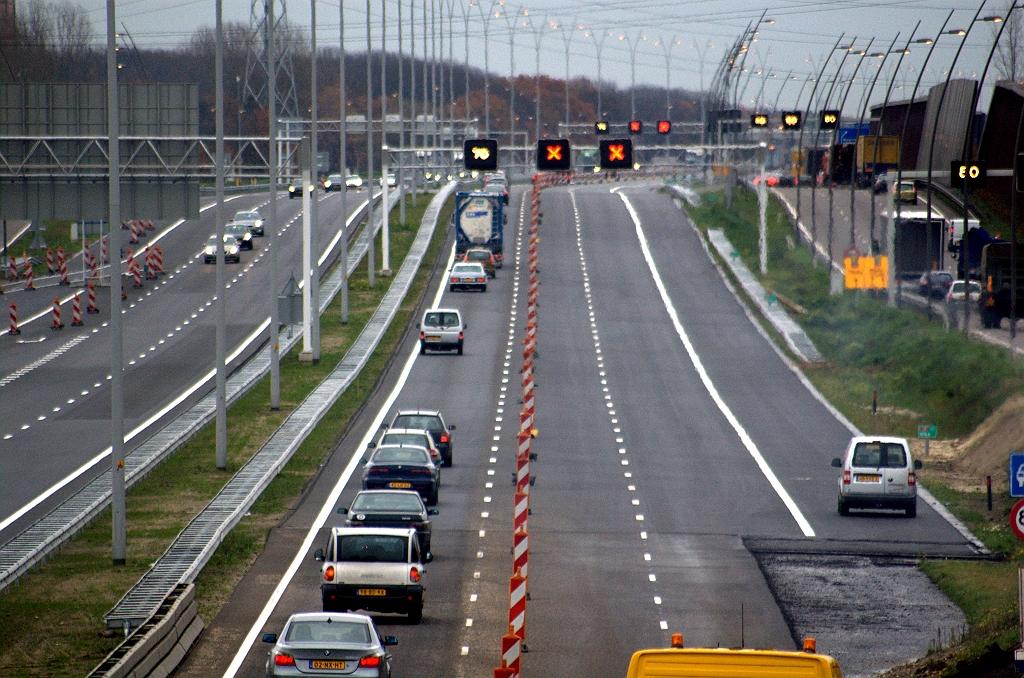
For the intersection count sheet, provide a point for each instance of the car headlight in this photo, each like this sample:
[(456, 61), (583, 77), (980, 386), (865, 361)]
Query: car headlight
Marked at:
[(327, 184), (211, 250), (291, 189), (247, 236), (259, 223)]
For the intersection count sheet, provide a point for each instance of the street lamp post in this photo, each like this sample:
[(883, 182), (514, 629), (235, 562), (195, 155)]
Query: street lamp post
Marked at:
[(343, 161), (666, 48), (633, 44), (399, 173), (370, 258), (598, 48), (567, 36), (270, 227), (538, 36), (486, 17), (220, 332), (511, 19)]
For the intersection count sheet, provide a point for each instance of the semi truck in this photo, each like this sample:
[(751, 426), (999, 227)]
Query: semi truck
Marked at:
[(997, 299), (872, 161), (918, 242), (479, 222)]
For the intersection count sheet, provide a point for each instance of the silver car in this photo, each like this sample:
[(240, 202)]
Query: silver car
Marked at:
[(878, 472), (329, 644), (442, 329), (468, 276), (251, 220)]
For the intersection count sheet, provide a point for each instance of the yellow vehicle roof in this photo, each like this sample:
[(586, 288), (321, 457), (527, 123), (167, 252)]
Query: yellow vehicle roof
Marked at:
[(725, 663)]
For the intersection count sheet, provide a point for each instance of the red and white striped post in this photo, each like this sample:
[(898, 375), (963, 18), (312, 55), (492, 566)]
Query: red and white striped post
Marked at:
[(129, 260), (517, 604), (62, 264), (158, 258), (14, 319), (29, 273), (50, 267), (57, 324), (12, 268), (150, 267), (521, 552), (136, 272), (150, 226), (76, 311), (521, 512), (92, 308), (103, 250), (511, 651), (134, 232)]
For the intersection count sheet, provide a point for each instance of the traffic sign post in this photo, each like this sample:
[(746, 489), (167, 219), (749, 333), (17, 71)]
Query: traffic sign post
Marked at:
[(927, 431), (1016, 483)]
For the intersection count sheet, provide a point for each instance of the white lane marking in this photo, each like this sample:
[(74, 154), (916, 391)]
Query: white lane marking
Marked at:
[(131, 435), (328, 508), (745, 438), (45, 359)]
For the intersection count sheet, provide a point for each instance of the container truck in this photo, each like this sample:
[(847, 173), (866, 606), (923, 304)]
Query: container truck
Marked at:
[(479, 222)]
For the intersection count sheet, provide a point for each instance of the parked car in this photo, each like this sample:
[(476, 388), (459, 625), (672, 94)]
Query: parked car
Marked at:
[(333, 182), (377, 569), (468, 277), (403, 467), (441, 329), (240, 233), (905, 192), (935, 284), (329, 645), (878, 472), (956, 291), (231, 253), (390, 508), (484, 257), (429, 420), (251, 220), (353, 181), (411, 436)]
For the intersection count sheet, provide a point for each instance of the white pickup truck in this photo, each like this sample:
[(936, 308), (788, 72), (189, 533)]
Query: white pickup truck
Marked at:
[(373, 569)]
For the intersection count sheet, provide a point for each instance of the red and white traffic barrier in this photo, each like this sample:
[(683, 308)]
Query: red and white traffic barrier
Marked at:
[(14, 320), (76, 311), (517, 604), (521, 552), (150, 264), (62, 263), (29, 274), (103, 250), (521, 511), (50, 267), (57, 324), (158, 259), (134, 232), (136, 271), (91, 294), (12, 268), (511, 652)]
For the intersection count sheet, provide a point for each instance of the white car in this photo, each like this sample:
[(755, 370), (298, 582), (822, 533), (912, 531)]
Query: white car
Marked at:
[(878, 472), (252, 220), (353, 181), (377, 569), (391, 179), (231, 252), (468, 276), (441, 329), (956, 291)]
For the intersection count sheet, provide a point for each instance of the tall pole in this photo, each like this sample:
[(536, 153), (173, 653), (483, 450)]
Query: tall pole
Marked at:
[(667, 49), (218, 217), (567, 35), (117, 498), (426, 65), (465, 21), (314, 215), (487, 68), (385, 246), (598, 48), (433, 73), (511, 25), (413, 172), (538, 35), (370, 258), (271, 225), (438, 81), (343, 161), (451, 71), (400, 174)]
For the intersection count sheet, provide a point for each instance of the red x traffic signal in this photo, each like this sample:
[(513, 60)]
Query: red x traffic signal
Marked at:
[(553, 154), (616, 154), (664, 127), (636, 127)]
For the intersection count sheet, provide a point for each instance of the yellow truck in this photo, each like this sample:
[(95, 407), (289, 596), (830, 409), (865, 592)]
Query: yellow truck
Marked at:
[(680, 662)]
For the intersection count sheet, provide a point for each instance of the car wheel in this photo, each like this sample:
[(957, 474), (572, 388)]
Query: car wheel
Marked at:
[(446, 461), (416, 614), (484, 288), (844, 508), (432, 499), (459, 349), (451, 288), (423, 348), (912, 510)]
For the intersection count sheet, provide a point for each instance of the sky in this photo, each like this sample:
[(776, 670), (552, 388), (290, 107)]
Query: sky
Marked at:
[(641, 41)]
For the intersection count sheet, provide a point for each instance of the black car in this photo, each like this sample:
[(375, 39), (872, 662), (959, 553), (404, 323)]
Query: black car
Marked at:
[(390, 508), (403, 467), (935, 284), (429, 420)]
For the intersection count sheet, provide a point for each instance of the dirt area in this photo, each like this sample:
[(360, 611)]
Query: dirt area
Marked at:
[(963, 464)]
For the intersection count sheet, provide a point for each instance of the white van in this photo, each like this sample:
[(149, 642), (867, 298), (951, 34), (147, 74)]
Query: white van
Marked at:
[(878, 472), (441, 329)]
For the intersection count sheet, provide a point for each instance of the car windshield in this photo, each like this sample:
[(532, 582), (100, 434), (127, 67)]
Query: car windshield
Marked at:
[(328, 632), (228, 238), (942, 277), (372, 548), (235, 228), (439, 319), (467, 268), (388, 501), (334, 177), (247, 216), (880, 455), (427, 422), (405, 439), (400, 455), (478, 255)]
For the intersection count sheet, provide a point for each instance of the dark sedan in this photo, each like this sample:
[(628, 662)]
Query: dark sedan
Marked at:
[(391, 508), (935, 284), (403, 467), (428, 420)]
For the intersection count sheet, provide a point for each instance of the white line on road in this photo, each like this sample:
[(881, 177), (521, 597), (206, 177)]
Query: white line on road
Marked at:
[(710, 386), (332, 499)]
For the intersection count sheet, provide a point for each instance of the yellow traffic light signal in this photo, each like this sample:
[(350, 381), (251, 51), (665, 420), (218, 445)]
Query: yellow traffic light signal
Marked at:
[(759, 120)]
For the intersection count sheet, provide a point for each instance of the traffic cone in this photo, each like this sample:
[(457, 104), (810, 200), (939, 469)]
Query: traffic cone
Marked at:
[(12, 268), (92, 309), (62, 263), (50, 268), (76, 311), (57, 324), (14, 319), (29, 276)]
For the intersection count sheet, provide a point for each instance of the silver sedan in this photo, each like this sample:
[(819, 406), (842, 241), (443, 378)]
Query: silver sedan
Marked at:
[(329, 644)]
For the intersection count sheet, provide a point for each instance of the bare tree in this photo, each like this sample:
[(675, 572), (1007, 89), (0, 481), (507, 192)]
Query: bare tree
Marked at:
[(1010, 52), (72, 29)]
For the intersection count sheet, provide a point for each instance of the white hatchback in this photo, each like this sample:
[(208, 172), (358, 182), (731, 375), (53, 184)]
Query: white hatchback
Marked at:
[(878, 472), (441, 329)]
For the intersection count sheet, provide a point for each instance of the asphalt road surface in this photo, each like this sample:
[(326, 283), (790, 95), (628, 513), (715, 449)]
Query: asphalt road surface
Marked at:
[(54, 394), (660, 459)]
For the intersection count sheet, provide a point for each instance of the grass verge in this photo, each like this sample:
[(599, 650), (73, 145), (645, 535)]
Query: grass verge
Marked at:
[(922, 375), (52, 622)]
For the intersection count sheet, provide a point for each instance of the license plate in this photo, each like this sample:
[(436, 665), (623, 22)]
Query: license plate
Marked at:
[(326, 664), (400, 486), (433, 337), (372, 592), (868, 478)]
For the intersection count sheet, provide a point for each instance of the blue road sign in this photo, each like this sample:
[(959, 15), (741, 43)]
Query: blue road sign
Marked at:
[(1017, 474), (848, 135)]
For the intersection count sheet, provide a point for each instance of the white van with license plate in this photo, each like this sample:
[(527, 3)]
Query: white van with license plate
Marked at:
[(441, 330), (878, 473)]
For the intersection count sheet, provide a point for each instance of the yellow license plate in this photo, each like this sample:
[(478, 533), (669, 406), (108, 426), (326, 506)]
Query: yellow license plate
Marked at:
[(433, 338), (372, 592), (868, 478), (400, 486), (325, 664)]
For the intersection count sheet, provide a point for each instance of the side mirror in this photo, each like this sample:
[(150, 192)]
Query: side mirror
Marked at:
[(343, 511), (465, 326), (269, 637), (918, 465), (318, 555), (371, 445), (837, 462), (365, 461), (428, 557), (434, 512), (418, 326), (383, 426), (452, 427), (390, 640)]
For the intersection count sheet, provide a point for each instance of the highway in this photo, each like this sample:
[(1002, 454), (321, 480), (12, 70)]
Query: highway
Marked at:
[(671, 435), (53, 384)]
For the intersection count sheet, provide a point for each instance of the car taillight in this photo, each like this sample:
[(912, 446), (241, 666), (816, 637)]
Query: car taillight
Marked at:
[(414, 573), (460, 339), (369, 662), (454, 279), (284, 660), (420, 471), (911, 478), (480, 279), (329, 573), (846, 477), (422, 335), (444, 436), (378, 469)]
